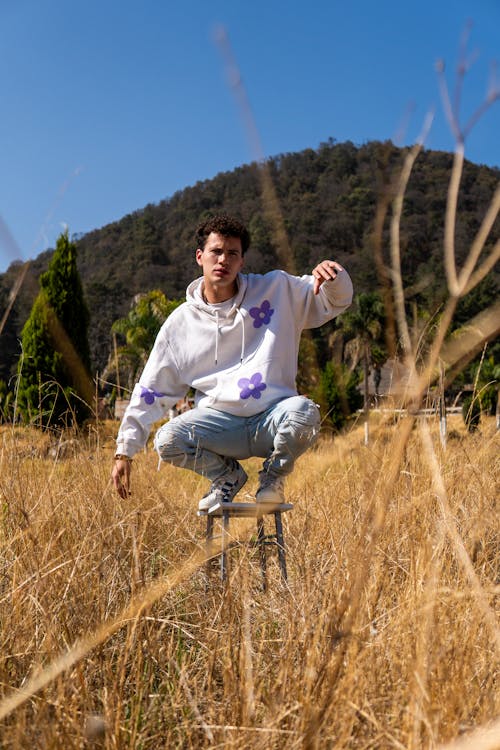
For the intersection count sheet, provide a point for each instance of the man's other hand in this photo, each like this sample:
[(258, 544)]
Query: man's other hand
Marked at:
[(325, 271), (121, 476)]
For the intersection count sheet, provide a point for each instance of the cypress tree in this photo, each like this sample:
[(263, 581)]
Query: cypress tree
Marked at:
[(55, 388)]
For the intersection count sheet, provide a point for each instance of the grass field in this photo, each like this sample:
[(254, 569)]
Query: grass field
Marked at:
[(386, 636)]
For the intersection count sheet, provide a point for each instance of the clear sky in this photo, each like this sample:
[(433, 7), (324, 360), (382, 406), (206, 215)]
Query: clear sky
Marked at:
[(107, 105)]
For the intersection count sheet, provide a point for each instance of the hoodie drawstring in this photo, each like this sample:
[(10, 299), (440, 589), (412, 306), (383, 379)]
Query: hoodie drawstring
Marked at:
[(216, 335), (242, 319)]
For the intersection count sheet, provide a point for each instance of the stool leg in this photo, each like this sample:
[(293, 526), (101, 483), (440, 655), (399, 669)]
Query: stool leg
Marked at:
[(208, 543), (224, 556), (281, 545), (261, 540)]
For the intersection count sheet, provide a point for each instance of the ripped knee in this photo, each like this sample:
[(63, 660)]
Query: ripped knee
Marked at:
[(307, 415), (303, 425), (170, 444), (303, 435)]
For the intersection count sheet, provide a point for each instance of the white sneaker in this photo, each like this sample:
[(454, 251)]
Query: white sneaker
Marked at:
[(271, 489), (223, 489)]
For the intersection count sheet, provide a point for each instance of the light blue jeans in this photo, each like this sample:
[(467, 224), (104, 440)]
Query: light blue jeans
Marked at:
[(206, 440)]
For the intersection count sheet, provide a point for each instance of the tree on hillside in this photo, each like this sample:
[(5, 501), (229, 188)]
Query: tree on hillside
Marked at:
[(338, 394), (485, 397), (54, 383), (139, 329), (364, 325), (6, 402)]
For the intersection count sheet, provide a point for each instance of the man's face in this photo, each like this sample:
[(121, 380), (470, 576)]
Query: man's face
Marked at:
[(221, 260)]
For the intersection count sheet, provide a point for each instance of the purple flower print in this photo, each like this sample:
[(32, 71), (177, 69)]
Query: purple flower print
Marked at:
[(149, 395), (262, 314), (252, 386)]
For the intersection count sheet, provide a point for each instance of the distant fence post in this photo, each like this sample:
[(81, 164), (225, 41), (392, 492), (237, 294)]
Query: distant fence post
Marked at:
[(120, 406), (442, 410)]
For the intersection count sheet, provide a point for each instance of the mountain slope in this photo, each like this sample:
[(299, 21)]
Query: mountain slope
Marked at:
[(328, 199)]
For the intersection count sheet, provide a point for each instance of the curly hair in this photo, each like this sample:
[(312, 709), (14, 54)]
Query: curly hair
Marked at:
[(225, 225)]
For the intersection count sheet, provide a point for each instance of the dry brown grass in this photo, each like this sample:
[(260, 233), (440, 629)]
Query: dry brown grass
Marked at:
[(384, 638)]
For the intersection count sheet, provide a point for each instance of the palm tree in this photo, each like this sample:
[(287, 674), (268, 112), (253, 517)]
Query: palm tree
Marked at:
[(364, 325), (139, 329)]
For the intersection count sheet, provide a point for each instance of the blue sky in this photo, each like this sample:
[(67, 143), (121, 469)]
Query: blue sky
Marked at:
[(107, 105)]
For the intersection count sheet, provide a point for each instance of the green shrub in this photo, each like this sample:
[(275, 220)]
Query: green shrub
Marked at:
[(338, 394), (471, 412), (54, 383)]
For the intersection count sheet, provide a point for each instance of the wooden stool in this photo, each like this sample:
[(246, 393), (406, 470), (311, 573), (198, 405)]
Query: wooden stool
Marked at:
[(225, 511)]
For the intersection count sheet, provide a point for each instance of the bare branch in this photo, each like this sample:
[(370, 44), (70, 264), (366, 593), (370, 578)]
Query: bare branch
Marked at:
[(469, 340), (450, 219), (479, 241), (462, 67), (492, 97), (456, 285), (397, 279), (445, 97), (484, 268)]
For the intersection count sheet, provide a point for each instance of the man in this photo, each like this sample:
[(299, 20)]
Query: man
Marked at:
[(235, 341)]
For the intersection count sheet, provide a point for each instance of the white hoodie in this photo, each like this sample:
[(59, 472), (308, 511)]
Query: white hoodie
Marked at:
[(240, 358)]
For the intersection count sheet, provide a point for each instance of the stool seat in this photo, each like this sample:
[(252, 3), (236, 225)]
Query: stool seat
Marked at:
[(245, 510), (225, 511)]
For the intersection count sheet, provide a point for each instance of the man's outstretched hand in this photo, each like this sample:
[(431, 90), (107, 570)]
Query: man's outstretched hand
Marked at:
[(325, 271), (121, 476)]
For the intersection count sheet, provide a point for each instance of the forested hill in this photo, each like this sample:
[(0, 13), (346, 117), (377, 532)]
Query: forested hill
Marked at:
[(327, 198)]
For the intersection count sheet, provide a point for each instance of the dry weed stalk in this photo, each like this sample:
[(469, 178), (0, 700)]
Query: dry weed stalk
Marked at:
[(270, 202), (11, 243)]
